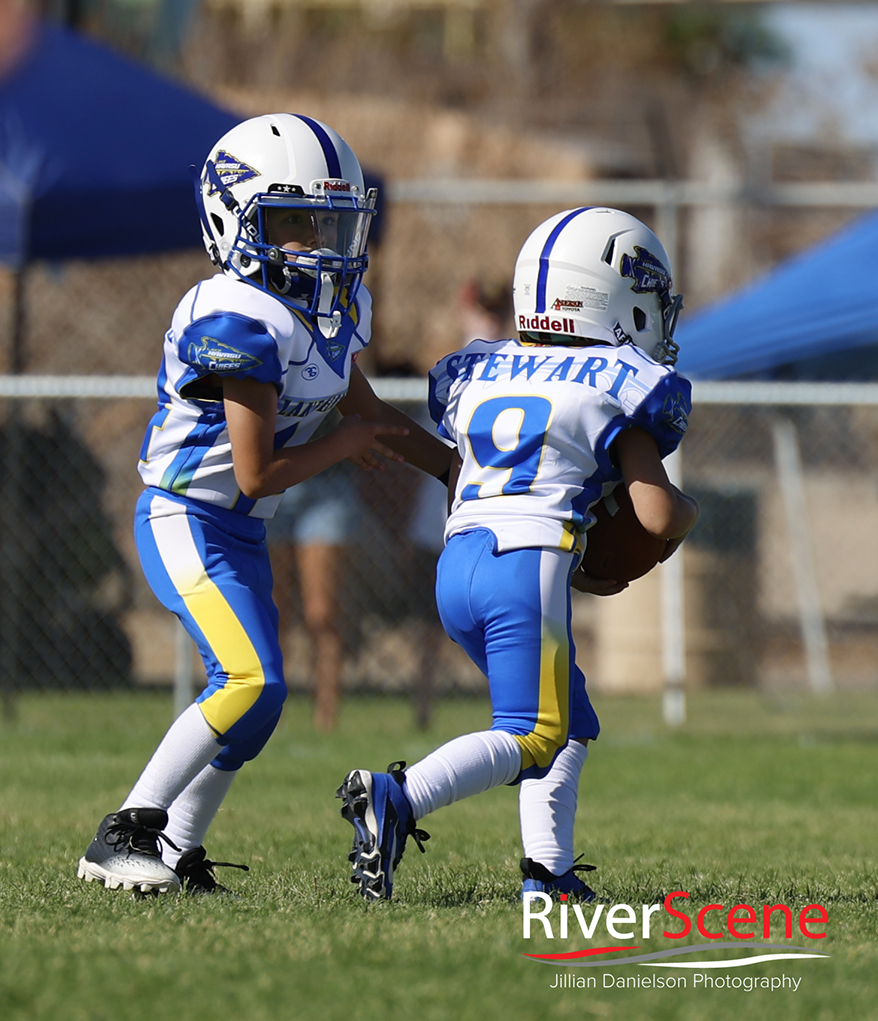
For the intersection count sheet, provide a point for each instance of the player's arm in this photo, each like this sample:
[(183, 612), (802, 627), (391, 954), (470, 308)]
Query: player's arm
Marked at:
[(260, 470), (662, 509), (417, 446)]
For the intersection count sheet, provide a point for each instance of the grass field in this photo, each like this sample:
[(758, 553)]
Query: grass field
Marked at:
[(755, 800)]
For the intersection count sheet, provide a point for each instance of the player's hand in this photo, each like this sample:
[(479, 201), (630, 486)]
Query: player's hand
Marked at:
[(674, 544), (583, 582), (362, 446), (671, 548)]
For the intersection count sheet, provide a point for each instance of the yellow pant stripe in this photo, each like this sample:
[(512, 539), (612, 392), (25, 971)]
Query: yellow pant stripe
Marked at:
[(553, 716), (211, 612)]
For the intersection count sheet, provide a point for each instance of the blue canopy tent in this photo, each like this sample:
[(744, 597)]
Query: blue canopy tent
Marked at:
[(94, 154), (94, 162), (94, 158), (814, 317)]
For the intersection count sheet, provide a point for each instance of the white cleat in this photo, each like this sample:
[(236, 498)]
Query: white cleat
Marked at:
[(125, 853)]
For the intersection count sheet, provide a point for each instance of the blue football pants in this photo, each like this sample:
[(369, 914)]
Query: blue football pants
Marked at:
[(210, 567), (511, 612)]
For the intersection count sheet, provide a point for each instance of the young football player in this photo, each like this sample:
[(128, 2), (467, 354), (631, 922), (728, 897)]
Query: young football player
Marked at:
[(256, 356), (543, 425)]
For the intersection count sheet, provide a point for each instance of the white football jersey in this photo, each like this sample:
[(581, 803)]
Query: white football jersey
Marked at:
[(534, 426), (231, 328)]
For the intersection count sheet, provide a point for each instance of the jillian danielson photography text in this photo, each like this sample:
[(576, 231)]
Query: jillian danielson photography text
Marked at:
[(698, 981)]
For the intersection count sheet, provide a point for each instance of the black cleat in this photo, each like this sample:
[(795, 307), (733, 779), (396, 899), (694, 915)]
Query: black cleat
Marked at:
[(195, 872), (538, 879)]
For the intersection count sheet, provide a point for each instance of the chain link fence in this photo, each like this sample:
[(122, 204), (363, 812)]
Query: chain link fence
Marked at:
[(780, 573), (782, 567)]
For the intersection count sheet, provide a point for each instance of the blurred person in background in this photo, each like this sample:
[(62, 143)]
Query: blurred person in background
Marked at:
[(485, 309), (310, 538), (416, 506), (256, 357)]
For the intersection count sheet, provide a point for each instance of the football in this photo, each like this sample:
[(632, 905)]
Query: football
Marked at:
[(617, 545)]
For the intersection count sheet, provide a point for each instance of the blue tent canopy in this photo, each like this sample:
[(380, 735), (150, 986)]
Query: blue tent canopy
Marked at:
[(95, 153), (815, 316)]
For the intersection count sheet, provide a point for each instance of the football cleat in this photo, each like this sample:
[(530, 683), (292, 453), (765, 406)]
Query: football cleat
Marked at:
[(538, 879), (195, 871), (125, 853), (376, 806)]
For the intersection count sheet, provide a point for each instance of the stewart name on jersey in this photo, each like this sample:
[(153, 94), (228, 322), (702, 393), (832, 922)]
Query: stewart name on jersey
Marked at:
[(226, 327), (534, 426)]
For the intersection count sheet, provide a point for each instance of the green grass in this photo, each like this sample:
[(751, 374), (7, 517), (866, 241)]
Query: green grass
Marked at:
[(755, 800)]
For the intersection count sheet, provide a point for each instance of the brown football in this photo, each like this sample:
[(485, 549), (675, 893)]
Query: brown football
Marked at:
[(617, 545)]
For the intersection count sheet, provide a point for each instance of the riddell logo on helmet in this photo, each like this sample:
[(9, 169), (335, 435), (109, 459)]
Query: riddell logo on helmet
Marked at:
[(546, 324), (336, 186)]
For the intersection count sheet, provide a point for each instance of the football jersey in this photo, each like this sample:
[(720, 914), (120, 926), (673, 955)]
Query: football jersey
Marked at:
[(534, 426), (231, 328)]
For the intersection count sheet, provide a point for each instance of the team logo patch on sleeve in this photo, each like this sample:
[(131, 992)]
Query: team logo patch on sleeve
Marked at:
[(648, 272), (231, 171), (215, 356), (675, 411)]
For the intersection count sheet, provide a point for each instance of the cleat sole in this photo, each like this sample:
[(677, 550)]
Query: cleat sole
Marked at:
[(91, 872), (365, 855)]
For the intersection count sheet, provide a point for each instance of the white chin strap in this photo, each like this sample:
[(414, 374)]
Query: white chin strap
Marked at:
[(329, 323)]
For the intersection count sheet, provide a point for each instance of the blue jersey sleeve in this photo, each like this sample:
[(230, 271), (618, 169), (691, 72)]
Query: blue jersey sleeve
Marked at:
[(439, 383), (230, 344), (663, 413)]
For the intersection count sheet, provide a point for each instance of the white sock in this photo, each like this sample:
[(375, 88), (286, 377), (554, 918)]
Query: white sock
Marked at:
[(547, 809), (465, 766), (185, 750), (193, 811)]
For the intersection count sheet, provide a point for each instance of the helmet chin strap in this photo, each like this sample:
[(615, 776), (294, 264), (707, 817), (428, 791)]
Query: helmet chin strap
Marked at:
[(330, 325), (329, 322)]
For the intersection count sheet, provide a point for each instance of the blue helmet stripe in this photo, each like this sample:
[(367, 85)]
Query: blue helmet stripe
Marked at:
[(543, 274), (333, 163)]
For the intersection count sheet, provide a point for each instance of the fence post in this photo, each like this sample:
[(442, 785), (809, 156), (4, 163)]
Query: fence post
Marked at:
[(184, 675), (673, 621), (811, 620)]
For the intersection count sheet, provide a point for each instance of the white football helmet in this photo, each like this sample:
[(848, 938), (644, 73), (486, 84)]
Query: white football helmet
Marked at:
[(283, 207), (599, 274)]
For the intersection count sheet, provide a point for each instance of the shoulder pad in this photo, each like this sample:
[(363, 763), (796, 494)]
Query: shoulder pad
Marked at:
[(230, 344), (223, 294)]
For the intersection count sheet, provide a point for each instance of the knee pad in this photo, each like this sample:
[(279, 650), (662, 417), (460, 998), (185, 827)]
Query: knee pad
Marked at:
[(239, 709), (539, 751), (236, 753)]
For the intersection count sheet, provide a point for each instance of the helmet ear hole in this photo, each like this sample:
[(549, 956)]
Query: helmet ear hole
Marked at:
[(639, 319), (217, 224)]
